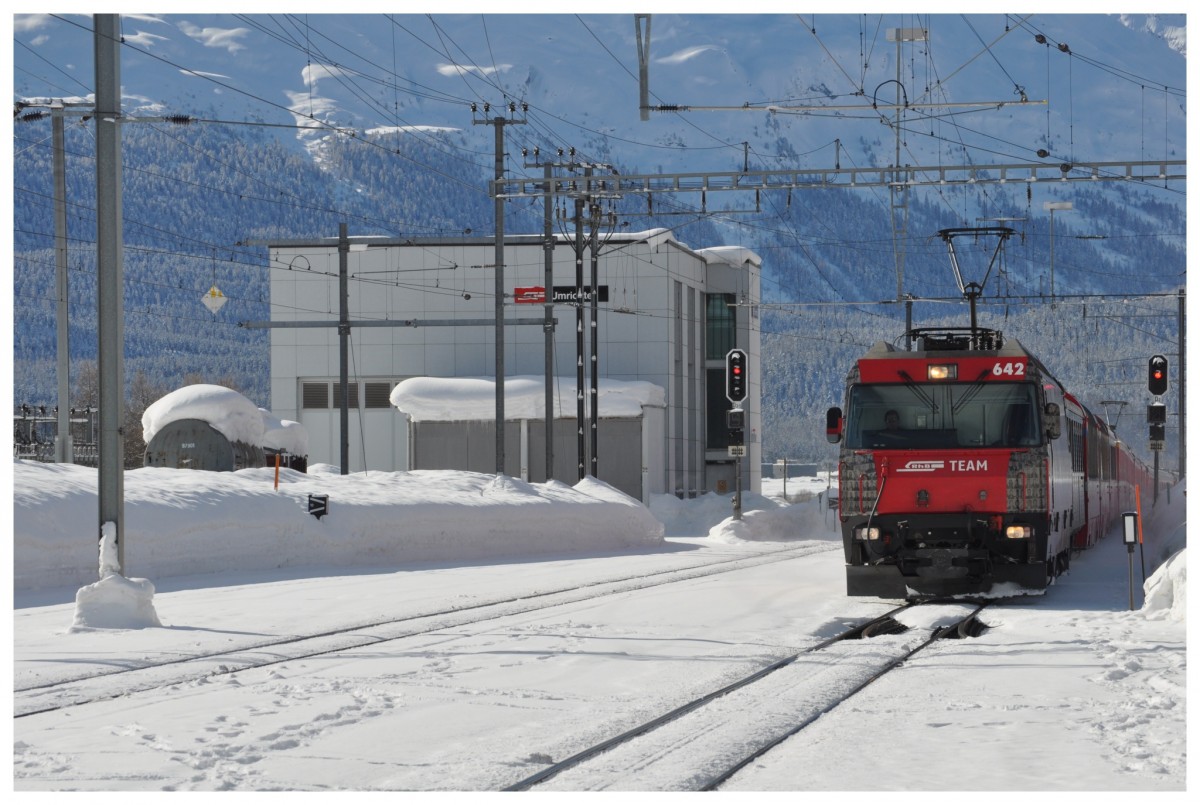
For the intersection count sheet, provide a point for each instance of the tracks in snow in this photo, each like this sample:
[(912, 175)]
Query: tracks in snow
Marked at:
[(722, 732), (83, 689)]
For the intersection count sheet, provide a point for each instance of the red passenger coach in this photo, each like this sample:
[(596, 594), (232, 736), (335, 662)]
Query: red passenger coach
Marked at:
[(967, 469)]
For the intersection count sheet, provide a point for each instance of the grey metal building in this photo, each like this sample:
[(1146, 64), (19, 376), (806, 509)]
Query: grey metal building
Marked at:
[(667, 314)]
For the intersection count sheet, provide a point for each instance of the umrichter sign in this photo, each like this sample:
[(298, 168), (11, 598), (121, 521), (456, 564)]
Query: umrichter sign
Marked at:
[(563, 294)]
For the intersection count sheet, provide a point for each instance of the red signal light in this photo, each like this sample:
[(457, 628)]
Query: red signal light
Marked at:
[(1157, 380), (735, 377)]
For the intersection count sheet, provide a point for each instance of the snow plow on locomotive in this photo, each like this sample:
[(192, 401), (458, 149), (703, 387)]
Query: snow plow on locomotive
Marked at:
[(966, 468)]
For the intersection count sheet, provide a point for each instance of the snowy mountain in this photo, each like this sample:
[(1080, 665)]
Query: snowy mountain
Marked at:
[(298, 122), (1099, 87)]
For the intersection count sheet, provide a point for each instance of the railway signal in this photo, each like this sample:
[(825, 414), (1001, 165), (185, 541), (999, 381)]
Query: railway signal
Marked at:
[(735, 421), (1156, 418), (735, 375), (318, 505), (1157, 381)]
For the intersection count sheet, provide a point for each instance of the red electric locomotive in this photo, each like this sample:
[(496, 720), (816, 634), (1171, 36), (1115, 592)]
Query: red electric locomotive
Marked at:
[(967, 469)]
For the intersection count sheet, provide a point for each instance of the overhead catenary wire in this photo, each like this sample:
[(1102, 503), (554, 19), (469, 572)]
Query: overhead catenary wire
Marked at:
[(736, 223)]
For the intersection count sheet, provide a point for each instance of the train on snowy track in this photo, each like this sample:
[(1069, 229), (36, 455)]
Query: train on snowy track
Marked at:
[(966, 468)]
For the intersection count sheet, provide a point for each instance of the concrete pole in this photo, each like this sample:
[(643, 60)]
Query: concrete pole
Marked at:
[(581, 443), (344, 343), (549, 325), (1182, 384), (499, 123), (594, 348), (110, 257), (499, 292), (64, 446)]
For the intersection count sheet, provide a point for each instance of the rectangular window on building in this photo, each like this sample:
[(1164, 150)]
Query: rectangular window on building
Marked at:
[(316, 395), (720, 318), (351, 388), (378, 395), (717, 425)]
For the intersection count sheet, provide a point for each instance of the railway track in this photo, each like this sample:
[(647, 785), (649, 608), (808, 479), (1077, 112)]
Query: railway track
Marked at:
[(713, 732), (81, 689)]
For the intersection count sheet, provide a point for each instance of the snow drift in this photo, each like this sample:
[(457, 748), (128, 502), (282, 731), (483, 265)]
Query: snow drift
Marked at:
[(182, 522)]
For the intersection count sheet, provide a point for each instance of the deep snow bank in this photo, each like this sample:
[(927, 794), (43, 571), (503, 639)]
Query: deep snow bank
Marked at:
[(1166, 590), (181, 522)]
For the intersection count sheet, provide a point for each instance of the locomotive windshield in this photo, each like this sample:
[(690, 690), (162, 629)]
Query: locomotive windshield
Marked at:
[(943, 415)]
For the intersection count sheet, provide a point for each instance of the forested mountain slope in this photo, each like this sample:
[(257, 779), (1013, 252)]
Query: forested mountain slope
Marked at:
[(378, 131)]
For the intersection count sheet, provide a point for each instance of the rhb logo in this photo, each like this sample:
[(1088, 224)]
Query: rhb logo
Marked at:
[(922, 466), (955, 465)]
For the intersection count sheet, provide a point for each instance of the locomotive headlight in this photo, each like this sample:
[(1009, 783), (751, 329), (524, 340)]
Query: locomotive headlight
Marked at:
[(943, 371), (1018, 532), (862, 532)]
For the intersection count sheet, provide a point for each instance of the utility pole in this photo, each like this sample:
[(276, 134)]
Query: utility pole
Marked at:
[(594, 347), (580, 442), (583, 198), (110, 257), (899, 187), (588, 460), (1182, 384), (548, 290), (344, 344), (64, 443), (64, 448), (1052, 206), (908, 322), (499, 123)]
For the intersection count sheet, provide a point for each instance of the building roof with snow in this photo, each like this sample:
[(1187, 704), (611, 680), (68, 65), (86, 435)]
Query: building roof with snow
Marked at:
[(455, 399)]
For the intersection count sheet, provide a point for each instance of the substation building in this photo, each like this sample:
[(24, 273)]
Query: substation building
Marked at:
[(666, 314)]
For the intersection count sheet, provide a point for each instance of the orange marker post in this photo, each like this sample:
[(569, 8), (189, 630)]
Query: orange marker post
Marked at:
[(1137, 496)]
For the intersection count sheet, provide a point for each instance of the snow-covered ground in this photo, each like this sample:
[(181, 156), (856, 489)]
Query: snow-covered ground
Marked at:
[(1068, 691)]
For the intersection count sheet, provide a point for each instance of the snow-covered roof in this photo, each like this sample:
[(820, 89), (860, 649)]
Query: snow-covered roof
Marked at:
[(231, 414), (733, 255), (654, 237), (283, 434), (457, 399)]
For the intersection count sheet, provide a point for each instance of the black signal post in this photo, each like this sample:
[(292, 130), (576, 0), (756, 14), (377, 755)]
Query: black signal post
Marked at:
[(1156, 382), (735, 391)]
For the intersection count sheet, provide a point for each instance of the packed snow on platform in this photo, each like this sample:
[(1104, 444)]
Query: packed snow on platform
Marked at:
[(1065, 693)]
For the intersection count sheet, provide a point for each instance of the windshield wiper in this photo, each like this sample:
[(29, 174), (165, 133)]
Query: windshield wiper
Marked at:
[(971, 393), (919, 392)]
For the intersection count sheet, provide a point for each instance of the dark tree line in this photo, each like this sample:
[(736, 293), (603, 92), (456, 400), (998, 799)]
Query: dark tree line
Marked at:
[(196, 199)]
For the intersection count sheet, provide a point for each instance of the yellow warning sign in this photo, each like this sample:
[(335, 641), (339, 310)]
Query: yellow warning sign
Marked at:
[(214, 299)]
